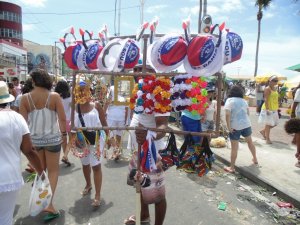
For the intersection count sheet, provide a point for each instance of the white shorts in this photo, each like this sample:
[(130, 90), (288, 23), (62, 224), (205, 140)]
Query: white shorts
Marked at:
[(90, 159), (7, 207), (115, 123), (271, 120)]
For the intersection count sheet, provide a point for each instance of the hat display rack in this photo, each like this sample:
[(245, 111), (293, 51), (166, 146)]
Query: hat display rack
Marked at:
[(101, 45)]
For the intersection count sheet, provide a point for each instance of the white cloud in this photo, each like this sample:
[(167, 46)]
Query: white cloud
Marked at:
[(28, 27), (155, 8), (216, 7), (34, 3), (271, 57), (268, 15)]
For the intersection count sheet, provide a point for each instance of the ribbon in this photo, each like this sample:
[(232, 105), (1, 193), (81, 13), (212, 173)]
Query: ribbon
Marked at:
[(148, 153)]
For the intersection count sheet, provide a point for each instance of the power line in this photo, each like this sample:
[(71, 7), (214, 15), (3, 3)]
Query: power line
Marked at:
[(75, 13)]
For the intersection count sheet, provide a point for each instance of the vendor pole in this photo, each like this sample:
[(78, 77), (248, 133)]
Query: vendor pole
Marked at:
[(218, 119), (73, 99)]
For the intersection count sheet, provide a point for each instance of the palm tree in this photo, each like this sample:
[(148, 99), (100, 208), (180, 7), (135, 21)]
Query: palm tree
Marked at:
[(262, 4)]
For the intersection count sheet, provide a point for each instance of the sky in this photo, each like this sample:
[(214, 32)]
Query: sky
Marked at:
[(46, 21)]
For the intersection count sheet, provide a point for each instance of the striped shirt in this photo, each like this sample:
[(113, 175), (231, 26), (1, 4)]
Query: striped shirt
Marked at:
[(43, 125)]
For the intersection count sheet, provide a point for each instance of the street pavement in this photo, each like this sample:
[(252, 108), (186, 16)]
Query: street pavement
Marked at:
[(191, 199), (276, 170)]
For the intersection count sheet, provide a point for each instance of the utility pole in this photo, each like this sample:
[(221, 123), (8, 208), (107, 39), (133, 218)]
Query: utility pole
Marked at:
[(119, 22), (142, 11), (204, 7), (200, 16)]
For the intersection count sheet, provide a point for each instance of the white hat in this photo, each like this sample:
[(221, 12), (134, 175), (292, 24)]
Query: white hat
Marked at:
[(167, 53), (5, 97), (119, 54)]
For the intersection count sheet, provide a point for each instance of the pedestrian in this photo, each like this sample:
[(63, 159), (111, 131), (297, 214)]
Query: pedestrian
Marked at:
[(12, 90), (116, 116), (238, 123), (259, 89), (158, 193), (17, 85), (26, 88), (191, 122), (14, 136), (44, 112), (296, 100), (63, 89), (209, 118), (292, 126), (89, 114), (269, 113)]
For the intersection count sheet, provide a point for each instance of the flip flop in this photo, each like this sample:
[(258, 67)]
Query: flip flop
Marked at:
[(131, 220), (51, 216), (263, 134), (96, 203), (66, 161), (229, 170), (86, 191)]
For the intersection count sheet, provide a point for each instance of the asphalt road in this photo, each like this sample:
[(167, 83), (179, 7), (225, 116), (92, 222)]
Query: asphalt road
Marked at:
[(191, 199)]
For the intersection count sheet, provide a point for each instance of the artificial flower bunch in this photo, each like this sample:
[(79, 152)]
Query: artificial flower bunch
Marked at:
[(82, 92), (197, 94), (142, 100), (180, 101), (161, 93), (189, 93)]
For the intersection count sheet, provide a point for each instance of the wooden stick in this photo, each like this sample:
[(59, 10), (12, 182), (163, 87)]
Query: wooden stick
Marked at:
[(167, 130), (138, 188), (127, 73)]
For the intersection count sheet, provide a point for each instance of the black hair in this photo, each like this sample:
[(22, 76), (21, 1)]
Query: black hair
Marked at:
[(3, 105), (27, 87), (63, 89), (15, 79), (10, 85), (292, 126), (236, 91), (41, 79)]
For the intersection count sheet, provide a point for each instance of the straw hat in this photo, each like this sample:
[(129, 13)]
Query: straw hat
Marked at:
[(5, 97)]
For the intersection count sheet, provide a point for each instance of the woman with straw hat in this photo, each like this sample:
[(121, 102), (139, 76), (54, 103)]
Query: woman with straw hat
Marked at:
[(15, 136)]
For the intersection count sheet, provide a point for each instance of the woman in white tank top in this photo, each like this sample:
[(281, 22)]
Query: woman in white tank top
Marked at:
[(92, 116), (44, 112)]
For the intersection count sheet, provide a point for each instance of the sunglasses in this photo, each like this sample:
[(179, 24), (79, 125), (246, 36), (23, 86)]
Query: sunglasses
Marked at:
[(274, 80)]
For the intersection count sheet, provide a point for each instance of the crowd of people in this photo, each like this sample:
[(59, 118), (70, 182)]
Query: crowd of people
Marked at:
[(37, 117)]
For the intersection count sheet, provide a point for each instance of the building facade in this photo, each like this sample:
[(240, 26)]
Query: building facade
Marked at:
[(18, 56)]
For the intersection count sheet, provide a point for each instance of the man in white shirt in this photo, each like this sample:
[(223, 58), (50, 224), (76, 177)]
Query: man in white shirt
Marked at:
[(116, 116)]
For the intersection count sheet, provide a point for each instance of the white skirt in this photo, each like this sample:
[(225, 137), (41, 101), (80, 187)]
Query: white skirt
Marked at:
[(271, 120), (7, 206)]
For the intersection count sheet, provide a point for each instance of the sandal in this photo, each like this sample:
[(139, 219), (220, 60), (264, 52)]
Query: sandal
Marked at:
[(96, 203), (66, 161), (229, 170), (50, 216), (131, 220), (86, 191), (263, 134)]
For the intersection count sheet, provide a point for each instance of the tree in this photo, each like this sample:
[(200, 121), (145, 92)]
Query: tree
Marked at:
[(262, 4)]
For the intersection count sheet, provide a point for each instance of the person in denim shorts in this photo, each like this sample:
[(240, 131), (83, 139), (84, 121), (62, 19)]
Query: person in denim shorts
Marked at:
[(238, 123)]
